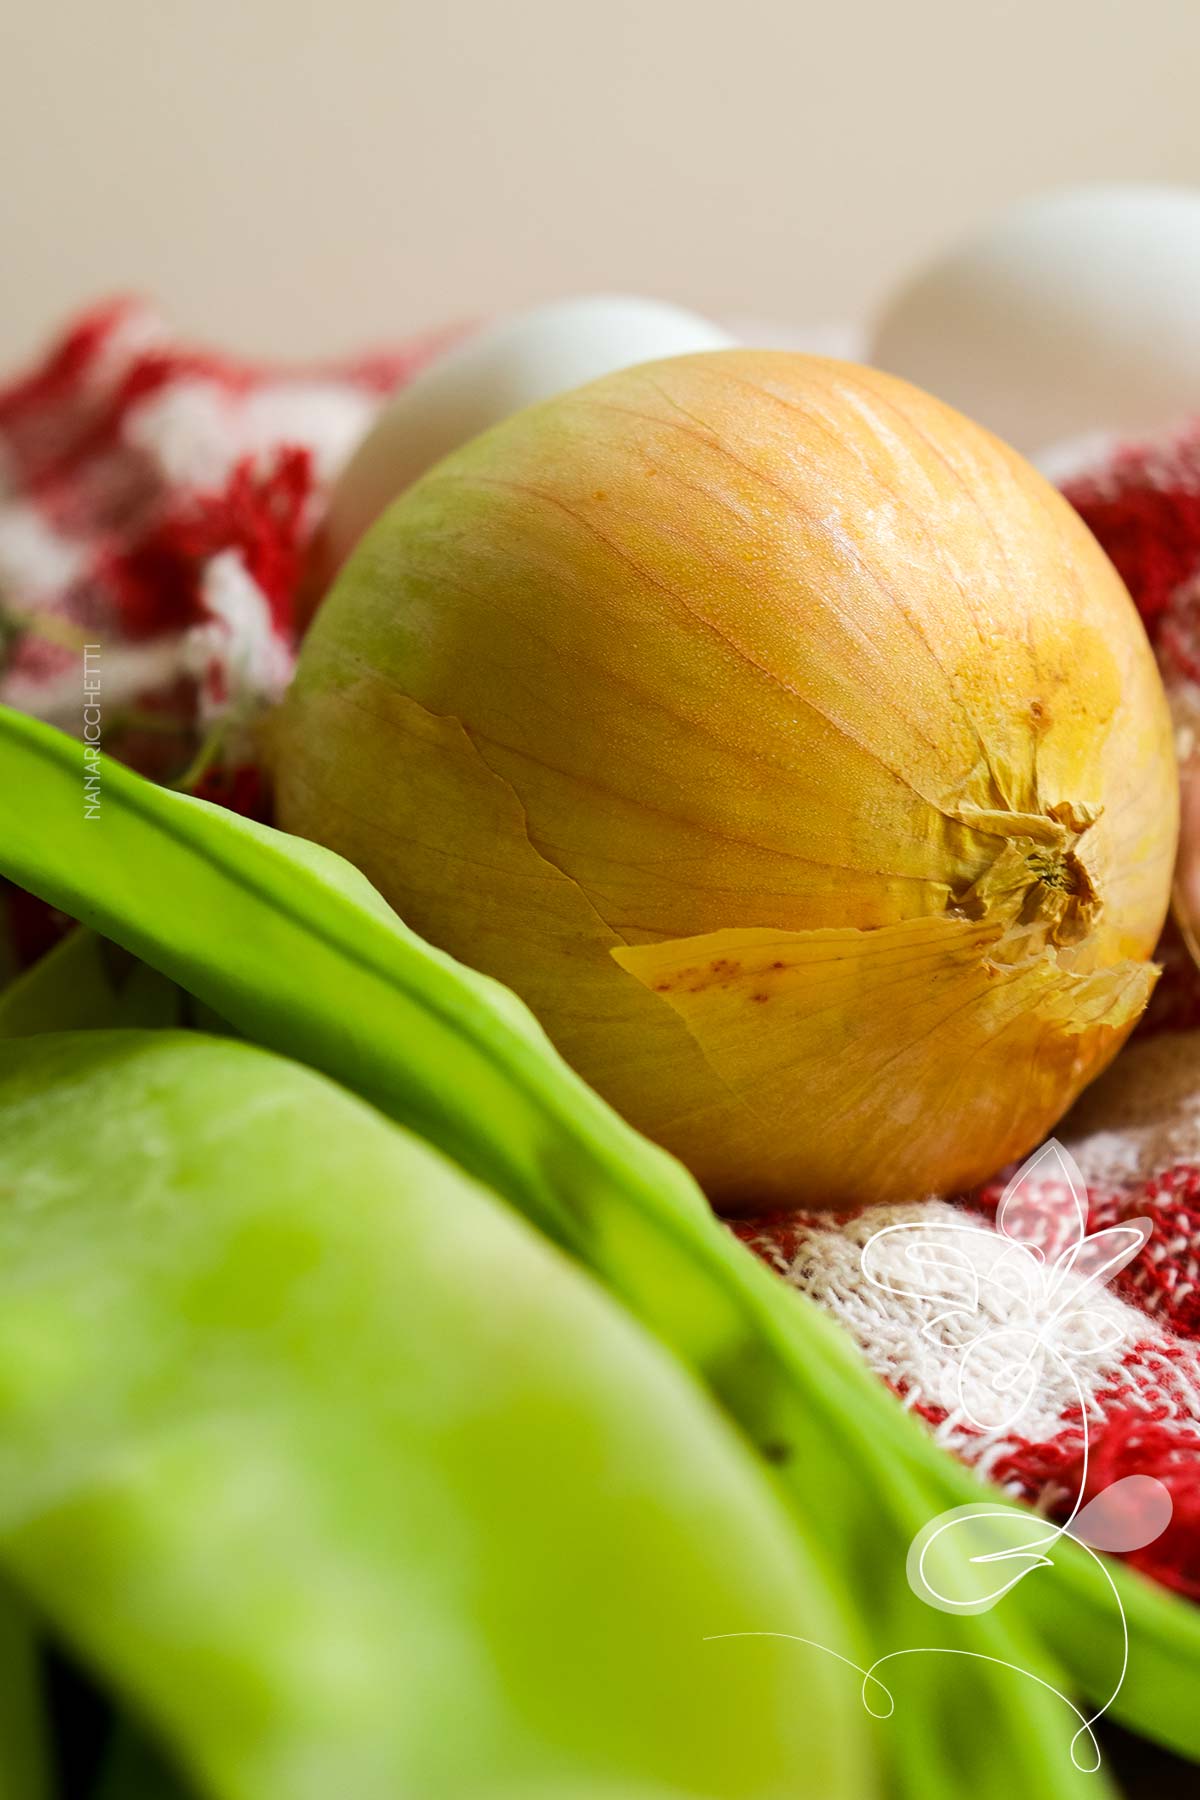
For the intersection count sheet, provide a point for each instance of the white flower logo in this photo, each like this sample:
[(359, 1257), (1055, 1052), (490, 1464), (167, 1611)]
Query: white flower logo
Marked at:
[(1017, 1310), (1019, 1303), (1018, 1306)]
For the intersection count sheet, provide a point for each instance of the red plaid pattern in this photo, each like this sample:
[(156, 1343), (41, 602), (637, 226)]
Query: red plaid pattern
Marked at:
[(157, 498)]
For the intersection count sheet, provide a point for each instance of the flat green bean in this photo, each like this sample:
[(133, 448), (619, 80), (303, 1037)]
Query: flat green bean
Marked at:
[(293, 946), (354, 1485)]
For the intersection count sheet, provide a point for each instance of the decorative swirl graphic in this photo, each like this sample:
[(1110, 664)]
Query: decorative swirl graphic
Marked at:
[(1014, 1315)]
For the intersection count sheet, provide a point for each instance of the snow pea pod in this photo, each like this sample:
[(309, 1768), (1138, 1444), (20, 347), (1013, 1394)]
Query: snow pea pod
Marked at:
[(350, 1482), (296, 949)]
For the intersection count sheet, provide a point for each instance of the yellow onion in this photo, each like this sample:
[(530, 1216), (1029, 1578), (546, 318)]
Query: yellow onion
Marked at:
[(784, 740)]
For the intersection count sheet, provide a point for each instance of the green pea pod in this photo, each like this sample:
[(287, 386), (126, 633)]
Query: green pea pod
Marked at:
[(295, 948), (353, 1484)]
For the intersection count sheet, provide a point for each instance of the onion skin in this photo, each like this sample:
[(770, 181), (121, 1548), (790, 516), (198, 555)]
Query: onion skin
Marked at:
[(785, 741), (1185, 702), (492, 373)]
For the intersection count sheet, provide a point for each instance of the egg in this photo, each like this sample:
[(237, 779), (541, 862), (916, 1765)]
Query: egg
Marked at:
[(508, 365), (1075, 313)]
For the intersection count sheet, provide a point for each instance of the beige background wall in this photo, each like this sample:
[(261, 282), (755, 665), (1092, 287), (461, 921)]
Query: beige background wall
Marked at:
[(293, 177)]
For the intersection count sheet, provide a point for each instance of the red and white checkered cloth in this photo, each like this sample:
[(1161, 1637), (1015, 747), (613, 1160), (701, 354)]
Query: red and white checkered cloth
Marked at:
[(158, 499)]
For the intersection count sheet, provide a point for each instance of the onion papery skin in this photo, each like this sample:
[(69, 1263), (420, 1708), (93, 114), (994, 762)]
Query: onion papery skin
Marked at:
[(785, 741)]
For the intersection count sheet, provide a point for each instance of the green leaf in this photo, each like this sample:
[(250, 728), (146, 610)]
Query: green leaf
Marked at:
[(351, 1483), (293, 946)]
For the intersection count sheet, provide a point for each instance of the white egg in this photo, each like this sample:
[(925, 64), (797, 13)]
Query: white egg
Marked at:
[(506, 366), (1073, 313)]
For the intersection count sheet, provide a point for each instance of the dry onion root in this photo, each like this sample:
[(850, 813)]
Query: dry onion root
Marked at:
[(784, 740)]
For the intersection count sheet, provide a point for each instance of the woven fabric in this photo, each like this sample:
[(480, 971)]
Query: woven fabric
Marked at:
[(157, 500)]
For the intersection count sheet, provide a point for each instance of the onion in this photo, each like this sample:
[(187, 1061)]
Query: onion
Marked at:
[(510, 363), (784, 740)]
